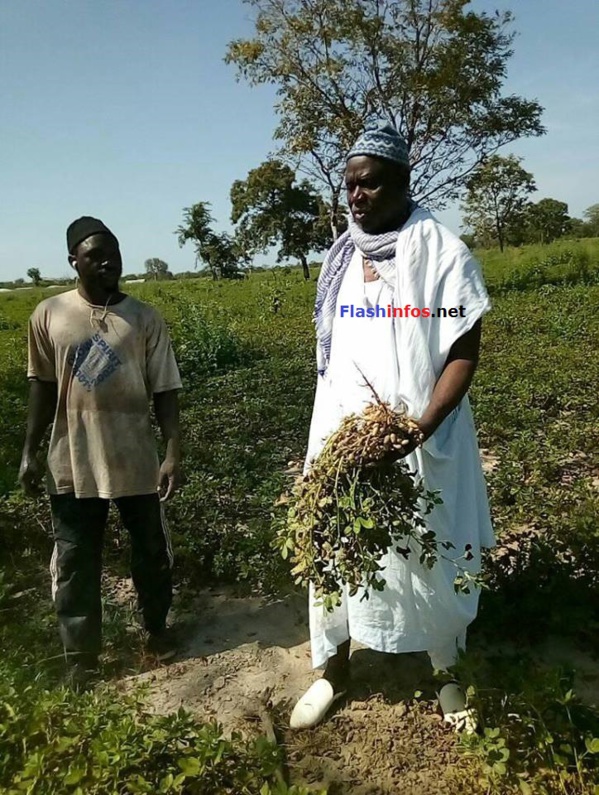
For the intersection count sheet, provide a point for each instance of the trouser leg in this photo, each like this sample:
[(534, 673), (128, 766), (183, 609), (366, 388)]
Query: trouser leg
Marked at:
[(76, 569), (337, 667), (452, 698), (151, 557), (445, 656)]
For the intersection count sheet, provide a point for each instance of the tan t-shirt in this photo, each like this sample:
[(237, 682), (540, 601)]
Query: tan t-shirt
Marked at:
[(107, 363)]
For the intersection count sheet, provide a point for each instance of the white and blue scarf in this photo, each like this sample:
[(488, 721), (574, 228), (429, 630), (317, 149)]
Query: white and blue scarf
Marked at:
[(380, 249)]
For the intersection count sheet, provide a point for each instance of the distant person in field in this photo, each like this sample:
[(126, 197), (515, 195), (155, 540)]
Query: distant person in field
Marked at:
[(97, 358), (396, 253)]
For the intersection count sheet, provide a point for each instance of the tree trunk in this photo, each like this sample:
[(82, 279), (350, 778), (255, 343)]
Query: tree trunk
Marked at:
[(499, 229), (305, 267), (333, 216)]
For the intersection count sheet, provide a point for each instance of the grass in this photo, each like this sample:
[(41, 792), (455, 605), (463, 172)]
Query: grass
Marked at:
[(563, 261)]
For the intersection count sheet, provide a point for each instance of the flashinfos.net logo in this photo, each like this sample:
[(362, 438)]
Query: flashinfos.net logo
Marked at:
[(390, 311)]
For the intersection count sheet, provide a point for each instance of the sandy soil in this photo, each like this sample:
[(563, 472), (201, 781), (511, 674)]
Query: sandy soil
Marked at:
[(386, 737), (380, 739)]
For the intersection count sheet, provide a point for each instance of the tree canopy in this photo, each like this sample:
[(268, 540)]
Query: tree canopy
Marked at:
[(35, 275), (434, 68), (591, 215), (270, 209), (221, 253), (157, 268), (546, 220), (497, 198)]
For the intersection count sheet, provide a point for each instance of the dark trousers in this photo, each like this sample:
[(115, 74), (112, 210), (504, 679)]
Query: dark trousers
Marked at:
[(76, 566)]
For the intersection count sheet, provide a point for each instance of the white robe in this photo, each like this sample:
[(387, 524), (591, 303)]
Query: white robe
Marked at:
[(418, 610)]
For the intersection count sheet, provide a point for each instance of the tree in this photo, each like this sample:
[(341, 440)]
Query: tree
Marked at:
[(269, 209), (497, 198), (431, 67), (591, 215), (221, 253), (157, 268), (546, 221), (578, 228), (35, 275)]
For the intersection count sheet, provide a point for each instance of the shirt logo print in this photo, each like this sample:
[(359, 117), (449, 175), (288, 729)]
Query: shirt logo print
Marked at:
[(93, 362)]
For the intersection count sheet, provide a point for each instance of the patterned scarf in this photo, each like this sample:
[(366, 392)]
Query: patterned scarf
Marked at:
[(378, 248)]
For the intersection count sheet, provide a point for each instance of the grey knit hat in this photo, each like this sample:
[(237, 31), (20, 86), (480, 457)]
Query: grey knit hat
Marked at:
[(382, 141)]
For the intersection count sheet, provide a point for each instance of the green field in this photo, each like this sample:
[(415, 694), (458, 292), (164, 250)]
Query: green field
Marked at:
[(249, 379), (530, 266)]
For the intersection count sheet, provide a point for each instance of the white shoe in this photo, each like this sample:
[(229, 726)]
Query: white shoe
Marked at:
[(456, 713), (313, 705)]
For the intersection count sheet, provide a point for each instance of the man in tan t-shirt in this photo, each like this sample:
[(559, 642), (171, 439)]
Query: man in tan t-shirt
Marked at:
[(97, 358)]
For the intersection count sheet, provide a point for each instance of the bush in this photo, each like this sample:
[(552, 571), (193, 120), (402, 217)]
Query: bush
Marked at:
[(203, 346)]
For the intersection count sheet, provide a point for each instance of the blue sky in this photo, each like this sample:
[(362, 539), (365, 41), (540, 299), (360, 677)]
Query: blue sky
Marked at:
[(125, 110)]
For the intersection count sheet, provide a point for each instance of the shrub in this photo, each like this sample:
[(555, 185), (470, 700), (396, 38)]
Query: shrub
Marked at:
[(203, 346)]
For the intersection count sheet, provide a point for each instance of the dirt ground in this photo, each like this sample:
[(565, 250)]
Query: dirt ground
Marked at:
[(381, 739), (386, 738)]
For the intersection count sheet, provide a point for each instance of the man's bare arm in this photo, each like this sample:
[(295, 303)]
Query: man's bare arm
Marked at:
[(166, 407), (43, 396), (454, 381)]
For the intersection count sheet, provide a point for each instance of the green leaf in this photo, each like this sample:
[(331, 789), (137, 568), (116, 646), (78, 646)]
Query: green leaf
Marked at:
[(74, 776), (592, 745), (190, 765), (166, 783)]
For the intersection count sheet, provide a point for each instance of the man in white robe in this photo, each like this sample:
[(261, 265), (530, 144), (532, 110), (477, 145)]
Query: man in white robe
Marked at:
[(396, 255)]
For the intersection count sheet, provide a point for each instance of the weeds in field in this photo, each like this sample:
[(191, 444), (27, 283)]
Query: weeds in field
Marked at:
[(202, 345), (55, 742), (537, 736)]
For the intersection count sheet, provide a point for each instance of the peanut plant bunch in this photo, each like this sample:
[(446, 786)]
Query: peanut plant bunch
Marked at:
[(355, 504)]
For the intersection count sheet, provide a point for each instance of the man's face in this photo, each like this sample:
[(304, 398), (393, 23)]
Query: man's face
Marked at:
[(98, 262), (376, 194)]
